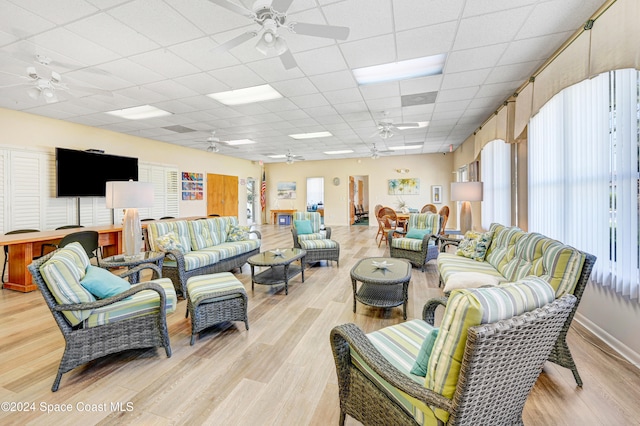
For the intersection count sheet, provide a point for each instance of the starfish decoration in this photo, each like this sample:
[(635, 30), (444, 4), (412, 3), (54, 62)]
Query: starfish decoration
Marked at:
[(382, 266), (277, 253)]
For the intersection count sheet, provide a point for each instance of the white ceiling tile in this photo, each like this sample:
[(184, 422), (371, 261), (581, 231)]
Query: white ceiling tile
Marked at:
[(20, 22), (450, 95), (373, 17), (295, 87), (156, 20), (321, 61), (370, 51), (334, 81), (59, 11), (474, 59), (533, 49), (558, 16), (494, 28), (202, 83), (421, 85), (450, 106), (483, 7), (309, 101), (135, 73), (416, 13), (271, 69), (382, 90), (343, 96), (209, 17), (465, 79), (237, 77), (426, 41), (516, 72)]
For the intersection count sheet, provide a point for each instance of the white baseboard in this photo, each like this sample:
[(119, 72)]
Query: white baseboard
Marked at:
[(623, 350)]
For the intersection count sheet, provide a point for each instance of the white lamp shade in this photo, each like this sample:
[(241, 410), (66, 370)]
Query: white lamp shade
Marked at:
[(129, 195), (466, 191)]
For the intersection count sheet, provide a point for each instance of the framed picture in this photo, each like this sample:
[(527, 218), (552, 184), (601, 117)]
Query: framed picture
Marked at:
[(436, 194), (410, 186)]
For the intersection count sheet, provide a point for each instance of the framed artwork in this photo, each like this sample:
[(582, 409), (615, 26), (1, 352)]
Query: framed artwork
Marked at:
[(286, 190), (409, 186), (436, 194), (192, 186)]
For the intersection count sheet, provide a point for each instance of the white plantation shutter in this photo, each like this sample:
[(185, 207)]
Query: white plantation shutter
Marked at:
[(165, 187)]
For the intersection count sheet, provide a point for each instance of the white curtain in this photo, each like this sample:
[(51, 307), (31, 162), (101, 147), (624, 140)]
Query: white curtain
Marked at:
[(584, 177), (495, 168)]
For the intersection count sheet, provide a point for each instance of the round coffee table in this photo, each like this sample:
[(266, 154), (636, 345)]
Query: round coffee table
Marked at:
[(280, 268), (154, 258), (385, 282)]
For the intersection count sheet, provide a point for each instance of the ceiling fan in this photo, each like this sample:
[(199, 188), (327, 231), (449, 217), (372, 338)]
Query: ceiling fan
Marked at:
[(375, 152), (291, 158), (214, 143), (48, 88), (387, 128), (271, 17)]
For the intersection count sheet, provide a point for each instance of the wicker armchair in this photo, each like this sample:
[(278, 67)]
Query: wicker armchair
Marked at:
[(516, 347), (417, 251), (318, 244), (84, 342)]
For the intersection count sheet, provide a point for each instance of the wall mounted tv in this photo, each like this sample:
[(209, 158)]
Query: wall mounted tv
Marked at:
[(85, 173)]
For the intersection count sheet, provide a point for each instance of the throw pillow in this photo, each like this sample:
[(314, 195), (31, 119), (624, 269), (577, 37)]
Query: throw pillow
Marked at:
[(420, 365), (102, 283), (475, 245), (470, 280), (418, 234), (169, 241), (303, 226), (238, 233)]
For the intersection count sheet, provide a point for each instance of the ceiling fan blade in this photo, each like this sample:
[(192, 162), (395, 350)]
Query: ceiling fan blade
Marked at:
[(328, 31), (235, 41), (92, 90), (281, 5), (233, 7), (15, 85), (288, 60)]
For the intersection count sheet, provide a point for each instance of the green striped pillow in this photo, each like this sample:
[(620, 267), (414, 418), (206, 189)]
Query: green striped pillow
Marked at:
[(471, 307)]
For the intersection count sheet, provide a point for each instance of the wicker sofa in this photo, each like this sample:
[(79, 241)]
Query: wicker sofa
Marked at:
[(203, 246), (512, 254), (479, 370)]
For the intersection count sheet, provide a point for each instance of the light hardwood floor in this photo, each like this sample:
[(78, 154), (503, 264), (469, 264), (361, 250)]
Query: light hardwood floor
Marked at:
[(280, 372)]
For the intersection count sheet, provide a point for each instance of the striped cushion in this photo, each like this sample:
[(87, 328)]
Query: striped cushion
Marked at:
[(219, 286), (471, 307), (400, 345), (139, 304), (62, 274), (427, 221), (196, 259), (318, 244), (233, 248), (313, 217), (180, 228), (449, 264), (502, 248), (210, 232), (314, 236), (409, 243)]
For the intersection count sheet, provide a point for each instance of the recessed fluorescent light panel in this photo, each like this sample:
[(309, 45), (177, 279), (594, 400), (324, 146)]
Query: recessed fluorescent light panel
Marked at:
[(247, 95), (139, 112), (420, 125), (277, 156), (400, 148), (402, 70), (344, 151), (311, 135), (240, 142)]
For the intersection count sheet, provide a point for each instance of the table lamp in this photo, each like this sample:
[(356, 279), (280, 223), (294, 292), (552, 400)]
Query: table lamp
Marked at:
[(130, 196), (466, 192)]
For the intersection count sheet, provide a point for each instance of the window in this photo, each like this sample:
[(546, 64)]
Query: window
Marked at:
[(584, 175), (496, 178)]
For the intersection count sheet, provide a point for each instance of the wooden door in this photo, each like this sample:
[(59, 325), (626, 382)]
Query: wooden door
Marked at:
[(222, 195)]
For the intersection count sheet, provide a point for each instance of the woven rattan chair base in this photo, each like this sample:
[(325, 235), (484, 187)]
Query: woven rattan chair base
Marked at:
[(210, 312), (316, 255)]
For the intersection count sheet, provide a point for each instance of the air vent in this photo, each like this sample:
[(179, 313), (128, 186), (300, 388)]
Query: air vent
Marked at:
[(179, 129), (419, 99)]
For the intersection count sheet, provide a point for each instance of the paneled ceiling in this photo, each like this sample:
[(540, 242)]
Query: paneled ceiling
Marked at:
[(160, 53)]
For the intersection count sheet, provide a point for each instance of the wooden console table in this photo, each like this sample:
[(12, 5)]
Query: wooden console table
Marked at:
[(23, 247), (275, 213)]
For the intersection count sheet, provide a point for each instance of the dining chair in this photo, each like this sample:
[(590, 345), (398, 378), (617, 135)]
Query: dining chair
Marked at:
[(88, 240), (429, 208), (388, 221), (444, 213)]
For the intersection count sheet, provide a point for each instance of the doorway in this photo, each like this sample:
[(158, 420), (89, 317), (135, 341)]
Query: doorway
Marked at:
[(359, 200), (251, 199), (315, 196)]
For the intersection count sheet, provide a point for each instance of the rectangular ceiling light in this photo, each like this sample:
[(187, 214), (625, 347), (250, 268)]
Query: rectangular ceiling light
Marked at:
[(139, 112), (421, 124), (311, 135), (402, 70), (247, 95), (400, 148), (344, 151), (240, 142), (277, 156)]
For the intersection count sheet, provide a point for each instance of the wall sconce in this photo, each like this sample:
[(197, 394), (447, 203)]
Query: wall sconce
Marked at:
[(130, 196), (402, 171)]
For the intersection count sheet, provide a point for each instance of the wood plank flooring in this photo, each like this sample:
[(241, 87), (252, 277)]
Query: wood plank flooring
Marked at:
[(280, 372)]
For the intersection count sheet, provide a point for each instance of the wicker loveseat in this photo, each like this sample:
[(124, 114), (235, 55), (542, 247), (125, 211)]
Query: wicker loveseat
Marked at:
[(512, 254), (203, 246), (480, 370)]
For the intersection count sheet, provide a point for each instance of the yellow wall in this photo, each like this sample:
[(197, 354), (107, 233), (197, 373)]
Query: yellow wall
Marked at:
[(431, 169), (28, 130)]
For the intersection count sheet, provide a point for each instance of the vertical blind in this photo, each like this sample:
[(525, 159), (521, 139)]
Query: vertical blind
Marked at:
[(495, 161), (584, 151)]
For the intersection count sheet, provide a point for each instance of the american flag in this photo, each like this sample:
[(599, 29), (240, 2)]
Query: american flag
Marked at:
[(263, 191)]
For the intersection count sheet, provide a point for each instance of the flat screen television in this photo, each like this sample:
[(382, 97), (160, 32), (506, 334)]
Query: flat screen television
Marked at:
[(85, 174)]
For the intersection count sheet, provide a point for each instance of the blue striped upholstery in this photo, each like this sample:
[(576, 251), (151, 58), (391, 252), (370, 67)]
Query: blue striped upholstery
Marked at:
[(62, 274), (313, 217), (318, 244), (180, 228), (426, 221), (139, 304), (201, 287), (449, 264), (412, 244)]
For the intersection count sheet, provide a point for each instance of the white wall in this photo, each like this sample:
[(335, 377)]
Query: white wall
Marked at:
[(28, 130)]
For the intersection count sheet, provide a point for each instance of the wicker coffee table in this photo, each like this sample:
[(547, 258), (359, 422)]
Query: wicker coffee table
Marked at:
[(385, 282), (280, 266)]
